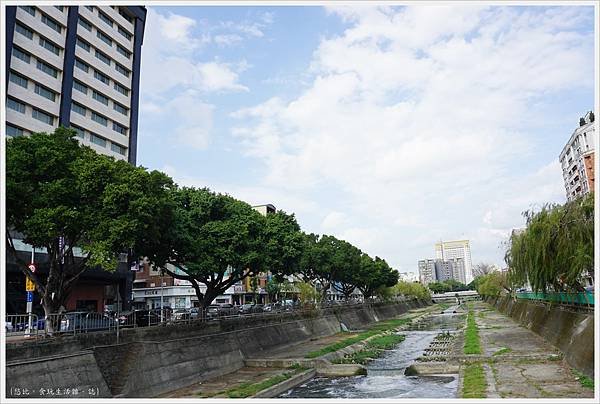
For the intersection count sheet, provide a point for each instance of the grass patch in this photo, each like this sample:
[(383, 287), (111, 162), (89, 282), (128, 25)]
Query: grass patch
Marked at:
[(474, 384), (385, 341), (376, 329), (373, 350), (443, 306), (249, 389), (584, 380), (472, 345), (341, 344), (502, 351)]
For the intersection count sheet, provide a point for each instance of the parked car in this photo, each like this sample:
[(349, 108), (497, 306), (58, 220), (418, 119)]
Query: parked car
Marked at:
[(194, 313), (180, 315), (86, 321), (270, 307), (227, 309), (246, 308), (258, 308), (8, 326), (212, 311)]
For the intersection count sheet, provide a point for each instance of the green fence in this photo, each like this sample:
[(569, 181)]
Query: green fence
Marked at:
[(559, 297)]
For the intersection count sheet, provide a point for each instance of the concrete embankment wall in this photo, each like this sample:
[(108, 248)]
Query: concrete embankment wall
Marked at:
[(571, 332), (151, 361)]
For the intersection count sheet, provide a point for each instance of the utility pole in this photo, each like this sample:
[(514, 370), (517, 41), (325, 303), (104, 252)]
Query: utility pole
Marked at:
[(161, 296)]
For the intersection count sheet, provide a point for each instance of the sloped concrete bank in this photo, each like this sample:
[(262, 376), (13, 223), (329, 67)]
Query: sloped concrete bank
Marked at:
[(571, 332), (154, 361)]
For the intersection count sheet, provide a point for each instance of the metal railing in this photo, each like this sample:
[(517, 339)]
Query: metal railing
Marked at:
[(23, 325), (73, 323)]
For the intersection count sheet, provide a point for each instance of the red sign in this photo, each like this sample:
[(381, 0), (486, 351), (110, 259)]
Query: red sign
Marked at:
[(32, 267)]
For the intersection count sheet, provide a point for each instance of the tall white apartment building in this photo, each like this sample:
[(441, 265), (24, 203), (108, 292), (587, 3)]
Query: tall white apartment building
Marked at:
[(447, 250), (577, 159), (427, 271), (78, 67)]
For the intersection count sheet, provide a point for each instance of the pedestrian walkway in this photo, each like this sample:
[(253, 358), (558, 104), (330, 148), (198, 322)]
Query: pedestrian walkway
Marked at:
[(519, 363)]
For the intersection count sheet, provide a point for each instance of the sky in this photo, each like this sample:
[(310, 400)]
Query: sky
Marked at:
[(390, 127)]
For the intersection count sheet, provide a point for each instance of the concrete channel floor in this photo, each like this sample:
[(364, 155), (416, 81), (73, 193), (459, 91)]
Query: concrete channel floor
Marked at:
[(216, 387), (525, 366)]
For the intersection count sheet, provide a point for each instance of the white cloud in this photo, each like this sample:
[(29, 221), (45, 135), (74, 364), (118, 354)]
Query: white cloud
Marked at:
[(227, 39), (333, 220), (420, 115), (176, 81), (214, 76)]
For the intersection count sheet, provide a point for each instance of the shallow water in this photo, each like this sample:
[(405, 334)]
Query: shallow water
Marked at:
[(385, 375)]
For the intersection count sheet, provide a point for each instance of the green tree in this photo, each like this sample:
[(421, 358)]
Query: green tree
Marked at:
[(438, 287), (309, 295), (273, 289), (413, 289), (373, 275), (216, 241), (283, 245), (347, 262), (492, 284), (556, 250), (57, 189)]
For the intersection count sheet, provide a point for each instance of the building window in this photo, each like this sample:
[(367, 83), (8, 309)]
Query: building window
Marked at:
[(83, 44), (80, 131), (121, 89), (18, 79), (102, 57), (105, 38), (50, 46), (90, 8), (119, 108), (100, 97), (119, 128), (123, 51), (105, 18), (82, 65), (100, 141), (121, 69), (13, 130), (46, 68), (117, 148), (101, 77), (29, 9), (42, 116), (128, 18), (19, 54), (15, 105), (59, 8), (23, 30), (85, 24), (124, 33), (44, 92), (99, 118), (79, 86), (80, 109), (52, 23)]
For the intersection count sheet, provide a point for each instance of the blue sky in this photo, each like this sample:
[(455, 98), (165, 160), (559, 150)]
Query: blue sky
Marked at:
[(390, 127)]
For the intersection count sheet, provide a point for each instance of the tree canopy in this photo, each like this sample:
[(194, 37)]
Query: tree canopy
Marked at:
[(64, 197)]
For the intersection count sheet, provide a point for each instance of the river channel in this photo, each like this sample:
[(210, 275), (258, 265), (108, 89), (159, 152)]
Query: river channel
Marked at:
[(385, 375)]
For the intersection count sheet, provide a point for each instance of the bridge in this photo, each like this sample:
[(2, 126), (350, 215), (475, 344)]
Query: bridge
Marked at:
[(450, 297)]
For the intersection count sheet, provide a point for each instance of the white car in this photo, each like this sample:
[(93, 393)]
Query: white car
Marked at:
[(8, 325)]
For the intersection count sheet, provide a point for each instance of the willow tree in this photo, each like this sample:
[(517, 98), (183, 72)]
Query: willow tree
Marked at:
[(556, 249)]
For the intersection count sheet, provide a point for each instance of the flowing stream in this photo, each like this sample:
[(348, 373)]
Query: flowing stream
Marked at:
[(385, 375)]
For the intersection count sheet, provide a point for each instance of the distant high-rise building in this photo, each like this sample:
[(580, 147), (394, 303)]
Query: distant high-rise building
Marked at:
[(447, 250), (427, 271), (577, 159), (78, 67)]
